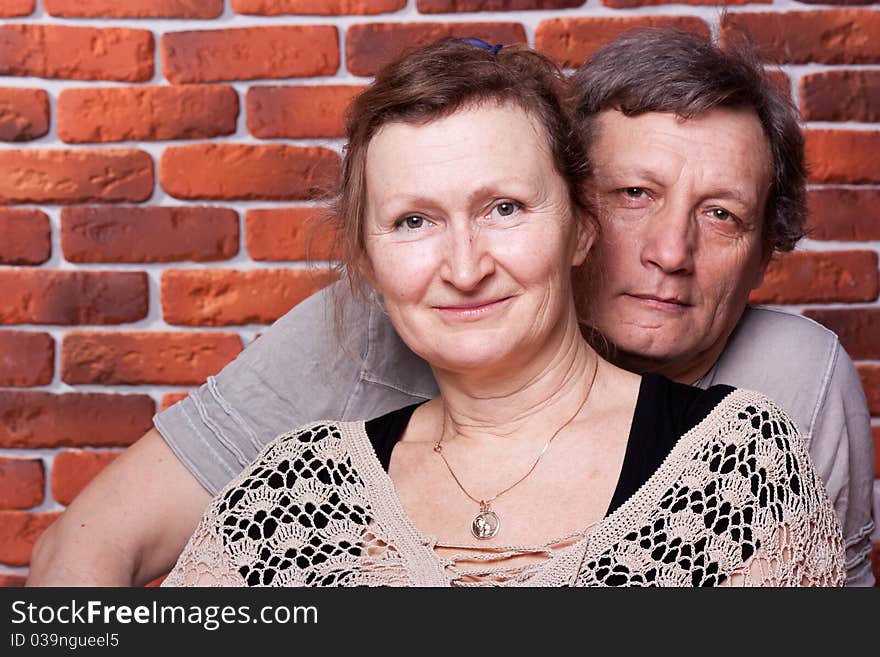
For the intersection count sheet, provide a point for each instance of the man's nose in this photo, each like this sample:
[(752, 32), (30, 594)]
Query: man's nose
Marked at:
[(467, 260), (669, 241)]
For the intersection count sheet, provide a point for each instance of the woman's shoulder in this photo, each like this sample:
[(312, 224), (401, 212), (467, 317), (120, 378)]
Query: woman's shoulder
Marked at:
[(676, 407), (689, 407), (304, 452), (747, 433), (319, 432)]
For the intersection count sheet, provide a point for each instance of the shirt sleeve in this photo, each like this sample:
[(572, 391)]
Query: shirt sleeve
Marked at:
[(299, 370), (842, 450)]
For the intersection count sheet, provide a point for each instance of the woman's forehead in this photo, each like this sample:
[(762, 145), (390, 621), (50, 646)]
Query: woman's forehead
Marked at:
[(471, 145)]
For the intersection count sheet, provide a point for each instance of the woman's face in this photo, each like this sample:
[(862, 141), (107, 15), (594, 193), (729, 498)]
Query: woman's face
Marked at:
[(470, 237)]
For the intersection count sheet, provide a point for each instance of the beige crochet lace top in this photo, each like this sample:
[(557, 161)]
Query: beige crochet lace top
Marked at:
[(736, 502)]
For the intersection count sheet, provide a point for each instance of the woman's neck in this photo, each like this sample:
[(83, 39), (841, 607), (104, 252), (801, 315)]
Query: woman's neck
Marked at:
[(520, 401)]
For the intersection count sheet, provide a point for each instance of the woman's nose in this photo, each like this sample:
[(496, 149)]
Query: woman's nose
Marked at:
[(468, 261)]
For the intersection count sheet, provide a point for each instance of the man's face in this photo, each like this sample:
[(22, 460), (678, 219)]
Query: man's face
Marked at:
[(681, 206)]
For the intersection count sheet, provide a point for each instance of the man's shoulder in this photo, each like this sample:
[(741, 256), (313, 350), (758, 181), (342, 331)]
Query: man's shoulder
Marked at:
[(763, 328), (788, 358), (766, 338)]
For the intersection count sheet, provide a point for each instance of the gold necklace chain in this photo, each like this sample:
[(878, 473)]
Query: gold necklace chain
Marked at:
[(486, 524)]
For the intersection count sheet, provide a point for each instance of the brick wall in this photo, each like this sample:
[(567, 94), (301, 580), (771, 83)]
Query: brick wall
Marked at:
[(157, 158)]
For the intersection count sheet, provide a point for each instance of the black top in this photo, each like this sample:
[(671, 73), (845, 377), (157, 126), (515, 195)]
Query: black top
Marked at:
[(664, 412)]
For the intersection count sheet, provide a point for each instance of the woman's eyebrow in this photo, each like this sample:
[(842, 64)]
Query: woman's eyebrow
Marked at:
[(494, 188)]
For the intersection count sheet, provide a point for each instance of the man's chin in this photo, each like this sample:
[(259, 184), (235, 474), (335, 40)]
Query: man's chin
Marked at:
[(645, 358)]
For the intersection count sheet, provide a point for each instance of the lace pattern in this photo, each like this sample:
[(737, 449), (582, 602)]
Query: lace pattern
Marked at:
[(736, 502)]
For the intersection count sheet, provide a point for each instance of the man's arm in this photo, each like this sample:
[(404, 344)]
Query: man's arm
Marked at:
[(842, 449), (801, 366), (127, 526)]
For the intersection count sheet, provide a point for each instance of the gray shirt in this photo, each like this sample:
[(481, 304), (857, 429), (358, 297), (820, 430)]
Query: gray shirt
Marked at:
[(301, 370)]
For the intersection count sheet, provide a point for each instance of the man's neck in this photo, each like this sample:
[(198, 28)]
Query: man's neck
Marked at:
[(682, 370)]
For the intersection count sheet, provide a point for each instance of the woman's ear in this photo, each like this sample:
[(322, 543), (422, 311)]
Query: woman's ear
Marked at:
[(586, 228), (364, 270)]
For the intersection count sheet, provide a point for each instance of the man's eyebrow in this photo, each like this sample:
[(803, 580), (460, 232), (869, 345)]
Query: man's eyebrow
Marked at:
[(637, 172), (730, 194)]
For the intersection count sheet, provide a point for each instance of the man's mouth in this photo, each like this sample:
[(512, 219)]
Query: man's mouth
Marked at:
[(667, 304)]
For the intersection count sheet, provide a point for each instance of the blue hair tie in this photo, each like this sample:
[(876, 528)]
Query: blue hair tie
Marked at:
[(479, 43)]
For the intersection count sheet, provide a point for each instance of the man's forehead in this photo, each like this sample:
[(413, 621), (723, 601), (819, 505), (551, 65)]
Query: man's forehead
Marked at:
[(727, 143)]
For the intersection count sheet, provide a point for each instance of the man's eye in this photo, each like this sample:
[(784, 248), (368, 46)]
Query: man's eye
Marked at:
[(634, 192), (721, 214), (411, 222)]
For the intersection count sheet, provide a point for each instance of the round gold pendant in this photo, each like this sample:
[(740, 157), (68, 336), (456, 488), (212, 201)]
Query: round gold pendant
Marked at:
[(485, 525)]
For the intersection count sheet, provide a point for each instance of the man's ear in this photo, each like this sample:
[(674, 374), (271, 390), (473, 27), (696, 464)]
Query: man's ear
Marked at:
[(586, 227)]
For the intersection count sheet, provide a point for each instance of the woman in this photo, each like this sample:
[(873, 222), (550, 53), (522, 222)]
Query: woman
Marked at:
[(463, 208)]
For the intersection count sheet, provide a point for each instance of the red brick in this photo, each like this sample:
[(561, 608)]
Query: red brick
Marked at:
[(233, 171), (369, 47), (24, 114), (827, 36), (249, 53), (843, 156), (134, 8), (841, 96), (811, 277), (41, 419), (451, 6), (26, 359), (858, 329), (298, 112), (876, 431), (779, 79), (75, 176), (171, 398), (19, 530), (109, 358), (569, 41), (218, 297), (10, 581), (289, 234), (26, 237), (72, 297), (851, 215), (21, 483), (73, 469), (870, 376), (148, 233), (76, 53), (316, 7), (146, 113), (626, 4), (13, 8)]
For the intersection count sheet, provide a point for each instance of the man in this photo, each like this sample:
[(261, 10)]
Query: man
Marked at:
[(699, 179)]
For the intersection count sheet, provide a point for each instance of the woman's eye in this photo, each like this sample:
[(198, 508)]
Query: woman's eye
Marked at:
[(720, 214), (412, 222), (506, 208)]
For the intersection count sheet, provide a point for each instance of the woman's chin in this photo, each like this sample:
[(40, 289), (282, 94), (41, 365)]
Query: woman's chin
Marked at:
[(483, 361)]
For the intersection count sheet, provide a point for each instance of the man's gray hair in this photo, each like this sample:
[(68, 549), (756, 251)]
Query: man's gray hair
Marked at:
[(664, 70)]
